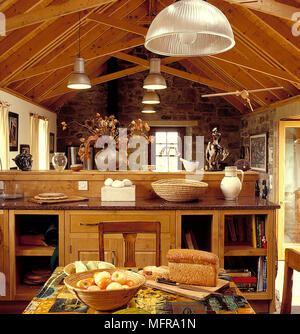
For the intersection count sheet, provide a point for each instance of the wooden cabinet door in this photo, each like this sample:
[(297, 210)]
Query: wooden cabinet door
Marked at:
[(85, 247), (4, 264), (81, 236)]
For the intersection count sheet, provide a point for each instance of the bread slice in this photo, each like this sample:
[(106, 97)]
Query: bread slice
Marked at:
[(153, 272)]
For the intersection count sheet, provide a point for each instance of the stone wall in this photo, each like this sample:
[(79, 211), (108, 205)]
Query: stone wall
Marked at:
[(257, 124), (81, 107)]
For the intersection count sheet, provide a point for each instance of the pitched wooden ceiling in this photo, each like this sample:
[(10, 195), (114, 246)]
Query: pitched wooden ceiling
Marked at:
[(41, 42)]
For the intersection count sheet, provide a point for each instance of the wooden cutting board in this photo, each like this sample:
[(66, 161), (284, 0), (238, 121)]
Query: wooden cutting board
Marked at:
[(65, 200), (196, 295)]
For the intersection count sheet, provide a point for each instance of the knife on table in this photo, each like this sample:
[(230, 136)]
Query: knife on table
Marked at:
[(187, 286)]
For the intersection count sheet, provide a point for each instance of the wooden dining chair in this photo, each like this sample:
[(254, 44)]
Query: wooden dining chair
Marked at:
[(129, 230), (292, 262)]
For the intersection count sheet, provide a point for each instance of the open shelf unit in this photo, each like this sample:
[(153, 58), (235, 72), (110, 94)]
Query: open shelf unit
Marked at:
[(30, 250), (232, 235)]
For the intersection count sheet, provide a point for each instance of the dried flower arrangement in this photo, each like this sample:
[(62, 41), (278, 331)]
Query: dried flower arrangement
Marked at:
[(107, 126)]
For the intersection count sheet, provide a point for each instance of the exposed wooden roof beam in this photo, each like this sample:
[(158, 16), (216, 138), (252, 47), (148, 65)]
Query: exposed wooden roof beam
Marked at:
[(55, 11), (278, 104), (269, 7), (87, 55), (100, 36), (175, 72), (119, 24), (200, 67), (267, 40), (264, 69)]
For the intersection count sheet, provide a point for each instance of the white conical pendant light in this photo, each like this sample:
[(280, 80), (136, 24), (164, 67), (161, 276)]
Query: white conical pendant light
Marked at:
[(151, 97), (148, 109), (154, 80), (78, 79), (189, 28)]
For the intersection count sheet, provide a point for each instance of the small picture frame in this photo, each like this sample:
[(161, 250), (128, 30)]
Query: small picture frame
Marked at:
[(24, 148), (259, 152), (13, 126), (51, 143)]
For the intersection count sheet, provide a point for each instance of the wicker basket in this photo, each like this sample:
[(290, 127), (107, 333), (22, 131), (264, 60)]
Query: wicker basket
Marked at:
[(179, 190), (104, 300)]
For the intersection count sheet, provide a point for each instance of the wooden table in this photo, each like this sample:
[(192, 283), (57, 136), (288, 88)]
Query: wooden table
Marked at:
[(54, 298)]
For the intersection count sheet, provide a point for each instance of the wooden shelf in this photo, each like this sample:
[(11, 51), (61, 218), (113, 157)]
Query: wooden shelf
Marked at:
[(244, 251), (34, 251)]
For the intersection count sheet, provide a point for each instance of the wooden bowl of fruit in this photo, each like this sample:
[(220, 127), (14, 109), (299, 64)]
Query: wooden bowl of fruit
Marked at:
[(105, 289)]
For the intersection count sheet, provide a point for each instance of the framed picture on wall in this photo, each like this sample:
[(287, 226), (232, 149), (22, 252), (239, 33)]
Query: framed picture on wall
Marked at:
[(51, 143), (13, 126), (258, 152)]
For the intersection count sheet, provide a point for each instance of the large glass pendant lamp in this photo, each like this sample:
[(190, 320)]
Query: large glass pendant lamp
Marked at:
[(189, 28), (150, 97), (78, 79), (154, 80)]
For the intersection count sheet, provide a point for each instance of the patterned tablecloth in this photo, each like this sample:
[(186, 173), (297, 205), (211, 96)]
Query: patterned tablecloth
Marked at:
[(55, 298)]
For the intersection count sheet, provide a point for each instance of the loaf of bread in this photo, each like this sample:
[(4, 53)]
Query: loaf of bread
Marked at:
[(192, 266), (153, 272)]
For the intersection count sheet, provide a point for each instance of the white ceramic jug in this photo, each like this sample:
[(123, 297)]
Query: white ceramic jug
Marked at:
[(231, 185)]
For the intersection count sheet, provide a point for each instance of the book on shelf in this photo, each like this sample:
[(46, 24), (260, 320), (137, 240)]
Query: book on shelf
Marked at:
[(238, 272), (261, 274), (245, 230), (190, 240)]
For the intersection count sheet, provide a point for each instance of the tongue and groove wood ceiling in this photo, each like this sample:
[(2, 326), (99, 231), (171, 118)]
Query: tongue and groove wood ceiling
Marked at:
[(41, 42)]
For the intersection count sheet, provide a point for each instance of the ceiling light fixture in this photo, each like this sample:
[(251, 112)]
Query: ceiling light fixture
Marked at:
[(148, 109), (189, 28), (151, 97), (154, 80), (78, 79)]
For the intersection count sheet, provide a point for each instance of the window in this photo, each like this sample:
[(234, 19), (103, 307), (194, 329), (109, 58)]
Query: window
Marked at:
[(167, 150), (39, 132)]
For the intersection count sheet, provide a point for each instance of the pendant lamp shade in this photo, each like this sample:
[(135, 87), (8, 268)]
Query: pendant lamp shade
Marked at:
[(154, 80), (151, 97), (189, 28), (148, 109), (78, 79)]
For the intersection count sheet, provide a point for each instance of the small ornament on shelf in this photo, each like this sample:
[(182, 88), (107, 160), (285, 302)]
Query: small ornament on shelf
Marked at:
[(265, 190), (257, 189)]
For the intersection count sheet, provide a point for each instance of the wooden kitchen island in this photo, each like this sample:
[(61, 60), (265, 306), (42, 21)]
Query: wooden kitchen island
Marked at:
[(209, 221)]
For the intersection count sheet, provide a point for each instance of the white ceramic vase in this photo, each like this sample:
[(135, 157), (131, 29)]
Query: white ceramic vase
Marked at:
[(231, 185)]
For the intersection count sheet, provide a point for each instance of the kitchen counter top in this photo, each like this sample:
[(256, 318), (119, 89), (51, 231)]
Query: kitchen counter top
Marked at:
[(94, 203)]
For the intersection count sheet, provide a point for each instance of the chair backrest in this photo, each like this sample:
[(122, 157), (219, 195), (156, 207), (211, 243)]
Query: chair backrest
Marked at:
[(292, 262), (129, 230)]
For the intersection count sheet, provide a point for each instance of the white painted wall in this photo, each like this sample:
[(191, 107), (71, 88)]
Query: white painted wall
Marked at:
[(23, 108)]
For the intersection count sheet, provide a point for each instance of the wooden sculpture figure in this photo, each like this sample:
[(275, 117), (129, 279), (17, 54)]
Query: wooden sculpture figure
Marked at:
[(215, 153)]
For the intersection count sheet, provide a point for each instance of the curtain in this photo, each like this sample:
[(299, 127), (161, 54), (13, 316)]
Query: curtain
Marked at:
[(4, 137), (39, 142)]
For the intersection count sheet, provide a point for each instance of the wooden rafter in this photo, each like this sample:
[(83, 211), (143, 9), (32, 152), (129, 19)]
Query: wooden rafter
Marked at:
[(271, 43), (269, 7), (55, 11), (57, 80), (177, 73), (119, 24), (88, 55)]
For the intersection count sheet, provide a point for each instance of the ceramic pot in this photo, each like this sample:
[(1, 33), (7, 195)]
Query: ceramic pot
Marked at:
[(231, 185)]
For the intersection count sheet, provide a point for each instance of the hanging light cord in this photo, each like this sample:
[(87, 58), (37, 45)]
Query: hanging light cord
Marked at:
[(79, 26)]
